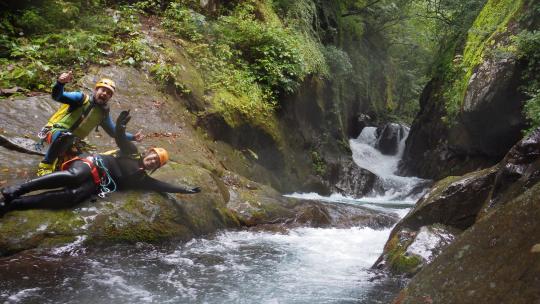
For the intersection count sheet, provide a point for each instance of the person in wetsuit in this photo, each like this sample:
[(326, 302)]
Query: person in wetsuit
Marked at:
[(84, 113), (81, 178)]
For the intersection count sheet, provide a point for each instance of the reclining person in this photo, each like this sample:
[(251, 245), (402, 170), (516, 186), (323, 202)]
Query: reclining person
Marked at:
[(81, 178)]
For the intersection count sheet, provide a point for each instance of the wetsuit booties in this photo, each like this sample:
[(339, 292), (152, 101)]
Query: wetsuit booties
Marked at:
[(10, 193)]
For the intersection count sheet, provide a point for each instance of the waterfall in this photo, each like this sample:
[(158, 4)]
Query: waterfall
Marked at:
[(389, 186)]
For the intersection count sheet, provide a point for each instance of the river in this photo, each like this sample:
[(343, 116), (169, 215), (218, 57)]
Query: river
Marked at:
[(304, 265)]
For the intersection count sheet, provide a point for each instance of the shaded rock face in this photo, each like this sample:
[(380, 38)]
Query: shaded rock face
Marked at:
[(245, 137), (492, 110), (389, 137), (519, 169), (488, 125), (426, 153), (450, 207), (358, 123), (495, 261), (454, 201)]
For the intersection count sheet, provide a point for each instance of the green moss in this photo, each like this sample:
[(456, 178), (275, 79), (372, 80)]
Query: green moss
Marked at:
[(406, 263), (229, 217), (399, 261), (482, 40), (21, 230), (238, 109), (55, 241), (18, 223), (319, 164)]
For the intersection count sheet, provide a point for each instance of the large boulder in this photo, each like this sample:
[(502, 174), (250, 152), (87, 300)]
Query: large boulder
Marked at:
[(495, 261), (349, 179), (124, 217), (496, 250), (450, 207)]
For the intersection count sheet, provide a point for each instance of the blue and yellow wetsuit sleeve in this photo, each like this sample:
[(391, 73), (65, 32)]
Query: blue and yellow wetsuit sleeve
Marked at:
[(110, 128), (74, 99)]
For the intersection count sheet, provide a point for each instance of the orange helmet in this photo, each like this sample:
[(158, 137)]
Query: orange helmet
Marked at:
[(106, 83), (162, 153)]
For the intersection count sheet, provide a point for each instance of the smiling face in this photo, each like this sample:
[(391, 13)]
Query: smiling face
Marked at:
[(151, 161), (102, 95)]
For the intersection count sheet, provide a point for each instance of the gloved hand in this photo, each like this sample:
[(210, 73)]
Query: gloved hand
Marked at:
[(123, 120), (195, 190)]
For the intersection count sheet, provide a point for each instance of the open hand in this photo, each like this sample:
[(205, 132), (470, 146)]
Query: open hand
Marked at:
[(66, 77), (138, 136)]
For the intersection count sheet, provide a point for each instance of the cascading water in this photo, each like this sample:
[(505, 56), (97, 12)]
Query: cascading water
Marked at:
[(367, 156), (306, 265)]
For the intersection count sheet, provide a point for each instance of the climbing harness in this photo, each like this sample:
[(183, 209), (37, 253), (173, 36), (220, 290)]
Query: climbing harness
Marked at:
[(100, 174), (107, 184)]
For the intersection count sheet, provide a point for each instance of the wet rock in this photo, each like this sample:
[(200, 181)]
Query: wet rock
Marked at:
[(341, 216), (491, 262), (452, 203), (266, 207), (358, 123), (408, 251), (389, 137), (353, 181)]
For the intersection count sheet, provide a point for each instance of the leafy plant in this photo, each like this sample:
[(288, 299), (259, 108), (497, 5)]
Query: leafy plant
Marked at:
[(184, 22), (528, 49), (319, 164), (271, 52), (167, 75)]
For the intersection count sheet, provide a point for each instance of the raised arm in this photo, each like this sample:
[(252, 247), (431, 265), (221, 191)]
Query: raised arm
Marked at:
[(126, 147), (109, 127), (71, 98)]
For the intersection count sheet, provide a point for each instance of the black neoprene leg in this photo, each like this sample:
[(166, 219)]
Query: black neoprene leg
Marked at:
[(56, 199), (77, 173)]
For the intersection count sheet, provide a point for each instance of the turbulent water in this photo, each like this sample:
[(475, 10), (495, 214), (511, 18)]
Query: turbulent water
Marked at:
[(366, 156), (304, 265)]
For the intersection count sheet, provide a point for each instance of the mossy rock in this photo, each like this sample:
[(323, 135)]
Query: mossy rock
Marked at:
[(130, 216), (21, 230)]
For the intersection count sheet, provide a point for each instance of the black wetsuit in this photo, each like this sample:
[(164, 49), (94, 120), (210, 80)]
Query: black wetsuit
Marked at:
[(126, 169)]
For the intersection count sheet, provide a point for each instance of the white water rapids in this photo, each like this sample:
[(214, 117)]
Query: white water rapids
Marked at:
[(305, 265)]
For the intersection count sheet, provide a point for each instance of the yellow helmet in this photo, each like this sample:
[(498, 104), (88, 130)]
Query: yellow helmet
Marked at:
[(106, 83), (162, 153)]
